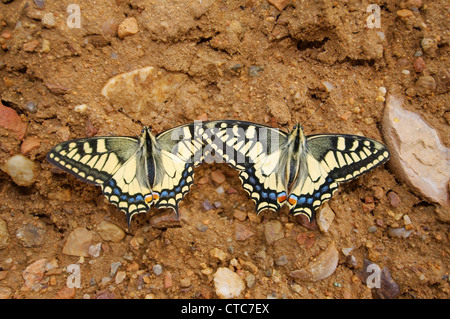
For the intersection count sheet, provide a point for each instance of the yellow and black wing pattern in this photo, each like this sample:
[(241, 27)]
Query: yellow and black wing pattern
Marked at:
[(278, 168), (134, 173)]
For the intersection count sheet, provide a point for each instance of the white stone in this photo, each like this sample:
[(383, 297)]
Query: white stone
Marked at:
[(417, 155), (228, 284), (21, 170), (325, 217)]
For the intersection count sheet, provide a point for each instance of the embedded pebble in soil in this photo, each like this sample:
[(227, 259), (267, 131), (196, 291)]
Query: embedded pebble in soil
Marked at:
[(21, 170), (399, 232), (157, 269), (218, 177), (417, 155), (110, 232), (273, 231), (141, 91), (31, 234), (29, 144), (128, 27), (323, 266), (241, 232), (325, 217), (228, 284), (94, 250), (33, 274), (78, 242), (4, 235)]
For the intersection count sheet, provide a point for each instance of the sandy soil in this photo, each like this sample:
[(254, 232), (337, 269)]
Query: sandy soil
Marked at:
[(242, 60)]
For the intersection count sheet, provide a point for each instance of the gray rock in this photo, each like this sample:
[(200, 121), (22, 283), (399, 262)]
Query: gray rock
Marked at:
[(157, 269), (417, 155), (32, 234)]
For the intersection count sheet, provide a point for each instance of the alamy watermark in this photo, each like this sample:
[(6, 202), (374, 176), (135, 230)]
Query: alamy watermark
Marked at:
[(74, 18), (374, 20)]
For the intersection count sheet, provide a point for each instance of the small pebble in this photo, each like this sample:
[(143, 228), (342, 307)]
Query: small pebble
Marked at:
[(282, 260), (78, 242), (228, 284), (242, 233), (218, 253), (239, 215), (39, 4), (21, 170), (94, 250), (48, 20), (220, 190), (328, 86), (388, 289), (255, 70), (399, 232), (31, 107), (201, 227), (405, 13), (30, 46), (32, 234), (218, 177), (80, 108), (372, 229), (168, 280), (419, 65), (425, 85), (110, 232), (429, 46), (322, 267), (157, 269), (128, 27), (273, 231), (207, 205), (114, 267), (250, 280), (121, 275), (4, 235), (33, 274), (394, 199)]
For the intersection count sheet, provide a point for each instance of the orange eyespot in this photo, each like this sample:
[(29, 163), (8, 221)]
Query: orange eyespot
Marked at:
[(148, 198), (292, 200), (281, 198), (155, 196)]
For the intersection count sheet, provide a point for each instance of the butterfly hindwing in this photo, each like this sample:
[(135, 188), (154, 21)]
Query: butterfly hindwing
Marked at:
[(180, 151), (330, 160), (254, 150)]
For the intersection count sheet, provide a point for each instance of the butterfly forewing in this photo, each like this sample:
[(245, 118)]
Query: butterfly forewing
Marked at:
[(256, 151), (117, 164), (93, 160)]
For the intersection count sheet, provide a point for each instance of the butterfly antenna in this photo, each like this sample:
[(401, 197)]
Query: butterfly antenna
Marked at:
[(320, 105)]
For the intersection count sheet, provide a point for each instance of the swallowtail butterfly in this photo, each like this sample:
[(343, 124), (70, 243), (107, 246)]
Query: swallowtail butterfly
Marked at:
[(278, 168), (135, 172)]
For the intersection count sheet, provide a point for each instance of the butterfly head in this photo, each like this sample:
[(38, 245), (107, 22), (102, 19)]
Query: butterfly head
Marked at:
[(297, 140)]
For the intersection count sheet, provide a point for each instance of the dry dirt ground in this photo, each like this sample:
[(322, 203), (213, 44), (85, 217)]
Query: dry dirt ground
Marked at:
[(242, 60)]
